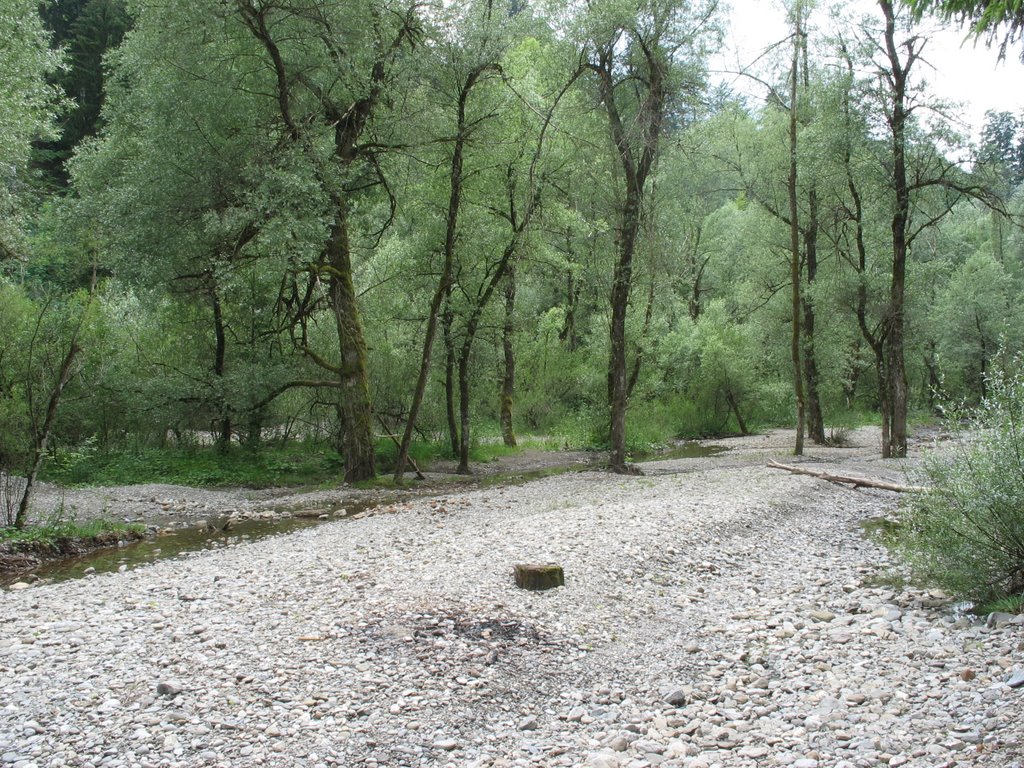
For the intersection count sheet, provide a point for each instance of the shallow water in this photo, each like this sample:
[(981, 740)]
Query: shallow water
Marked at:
[(688, 451), (177, 543)]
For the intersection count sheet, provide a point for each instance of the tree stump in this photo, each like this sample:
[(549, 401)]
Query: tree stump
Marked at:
[(539, 576)]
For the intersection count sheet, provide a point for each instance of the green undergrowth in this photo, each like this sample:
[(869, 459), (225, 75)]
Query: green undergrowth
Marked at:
[(1009, 604), (56, 535), (292, 464)]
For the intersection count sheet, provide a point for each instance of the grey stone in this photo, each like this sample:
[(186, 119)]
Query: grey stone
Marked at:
[(1016, 680), (677, 697), (620, 743), (168, 688), (528, 723), (997, 619)]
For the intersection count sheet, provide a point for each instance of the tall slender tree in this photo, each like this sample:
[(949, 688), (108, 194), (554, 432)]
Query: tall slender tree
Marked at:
[(643, 57)]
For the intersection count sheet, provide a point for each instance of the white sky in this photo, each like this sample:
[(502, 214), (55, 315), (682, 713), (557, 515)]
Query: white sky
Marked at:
[(963, 72)]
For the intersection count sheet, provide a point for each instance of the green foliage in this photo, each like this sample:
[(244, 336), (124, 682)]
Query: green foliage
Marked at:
[(51, 535), (206, 216), (420, 452), (28, 107), (987, 18), (967, 532), (292, 464)]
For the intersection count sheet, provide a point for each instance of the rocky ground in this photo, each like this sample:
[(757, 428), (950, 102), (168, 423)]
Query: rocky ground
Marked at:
[(716, 612)]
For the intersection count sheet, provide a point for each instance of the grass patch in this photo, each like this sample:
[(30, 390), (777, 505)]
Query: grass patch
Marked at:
[(1010, 604), (292, 464), (883, 530), (56, 535)]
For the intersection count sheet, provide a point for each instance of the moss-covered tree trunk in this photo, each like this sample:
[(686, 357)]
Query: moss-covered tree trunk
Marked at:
[(344, 101), (898, 116), (508, 378), (447, 319), (353, 407)]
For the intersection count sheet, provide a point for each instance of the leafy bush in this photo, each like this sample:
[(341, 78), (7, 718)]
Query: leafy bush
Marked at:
[(291, 464), (967, 533)]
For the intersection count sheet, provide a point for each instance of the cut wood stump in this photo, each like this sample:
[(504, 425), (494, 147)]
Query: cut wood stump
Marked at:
[(539, 576)]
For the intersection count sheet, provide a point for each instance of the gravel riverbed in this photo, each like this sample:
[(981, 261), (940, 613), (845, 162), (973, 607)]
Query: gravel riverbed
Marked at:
[(715, 613)]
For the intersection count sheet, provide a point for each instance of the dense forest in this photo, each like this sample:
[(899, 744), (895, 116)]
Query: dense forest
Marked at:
[(262, 221)]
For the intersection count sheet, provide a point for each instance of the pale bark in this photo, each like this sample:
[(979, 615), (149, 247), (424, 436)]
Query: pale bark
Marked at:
[(856, 482), (794, 244)]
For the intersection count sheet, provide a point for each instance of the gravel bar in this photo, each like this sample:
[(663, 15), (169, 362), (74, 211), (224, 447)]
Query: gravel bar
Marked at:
[(715, 613)]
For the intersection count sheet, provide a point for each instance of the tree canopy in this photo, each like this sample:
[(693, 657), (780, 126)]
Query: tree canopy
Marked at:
[(390, 229)]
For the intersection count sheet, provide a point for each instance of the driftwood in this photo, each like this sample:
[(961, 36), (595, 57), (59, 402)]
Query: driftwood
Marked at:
[(856, 482), (538, 577)]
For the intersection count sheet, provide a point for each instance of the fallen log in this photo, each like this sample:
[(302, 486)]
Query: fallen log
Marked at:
[(856, 482)]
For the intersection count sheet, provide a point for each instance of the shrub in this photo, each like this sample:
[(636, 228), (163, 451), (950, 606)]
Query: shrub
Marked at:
[(967, 532)]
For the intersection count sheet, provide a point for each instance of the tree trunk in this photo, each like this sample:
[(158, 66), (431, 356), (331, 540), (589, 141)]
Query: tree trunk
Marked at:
[(508, 379), (219, 369), (42, 438), (354, 411), (734, 406), (449, 375), (464, 355), (897, 373), (621, 283), (874, 338), (884, 405), (636, 163), (444, 283), (638, 359), (815, 421), (567, 334), (856, 482), (349, 121), (794, 244), (854, 369), (472, 326), (934, 383)]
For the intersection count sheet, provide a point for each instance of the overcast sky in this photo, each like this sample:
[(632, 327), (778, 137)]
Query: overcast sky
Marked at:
[(963, 72)]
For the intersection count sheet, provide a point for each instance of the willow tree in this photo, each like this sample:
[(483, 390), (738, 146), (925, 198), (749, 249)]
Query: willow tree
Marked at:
[(28, 105), (165, 191), (329, 68), (645, 59), (917, 185)]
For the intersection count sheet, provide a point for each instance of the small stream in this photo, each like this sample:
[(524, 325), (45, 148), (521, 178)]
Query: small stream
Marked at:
[(216, 533), (203, 536)]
